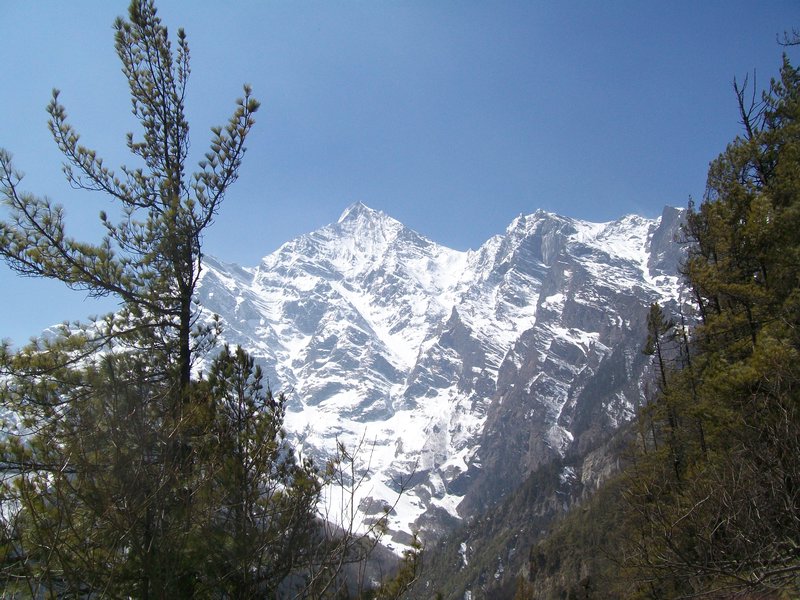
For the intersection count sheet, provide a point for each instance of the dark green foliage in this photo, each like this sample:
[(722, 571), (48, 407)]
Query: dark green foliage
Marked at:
[(580, 557), (261, 499), (124, 476), (407, 575), (709, 502), (95, 491), (715, 503), (103, 471)]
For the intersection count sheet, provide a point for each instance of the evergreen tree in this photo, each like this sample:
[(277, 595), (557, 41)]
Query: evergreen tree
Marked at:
[(124, 475), (264, 498), (150, 260), (729, 519), (103, 458), (659, 332)]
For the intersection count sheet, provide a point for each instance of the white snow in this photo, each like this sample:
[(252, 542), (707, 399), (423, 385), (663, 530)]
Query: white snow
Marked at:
[(357, 323)]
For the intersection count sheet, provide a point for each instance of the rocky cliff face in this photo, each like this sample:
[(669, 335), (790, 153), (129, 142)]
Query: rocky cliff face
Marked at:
[(577, 372), (469, 369)]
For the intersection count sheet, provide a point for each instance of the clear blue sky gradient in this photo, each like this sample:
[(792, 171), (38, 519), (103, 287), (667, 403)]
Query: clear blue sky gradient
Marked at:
[(452, 116)]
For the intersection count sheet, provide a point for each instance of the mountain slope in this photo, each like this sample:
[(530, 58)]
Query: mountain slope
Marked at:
[(468, 369)]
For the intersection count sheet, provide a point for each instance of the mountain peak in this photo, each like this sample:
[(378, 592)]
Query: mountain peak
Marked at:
[(524, 224), (355, 318), (358, 210), (363, 223)]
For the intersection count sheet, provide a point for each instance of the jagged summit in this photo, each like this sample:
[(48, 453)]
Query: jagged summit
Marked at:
[(359, 210), (464, 367), (360, 220)]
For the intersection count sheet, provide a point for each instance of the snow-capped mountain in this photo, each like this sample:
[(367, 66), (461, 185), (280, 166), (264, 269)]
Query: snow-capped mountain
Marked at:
[(465, 369)]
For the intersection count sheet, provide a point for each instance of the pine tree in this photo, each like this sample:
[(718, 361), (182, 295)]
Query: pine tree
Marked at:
[(102, 460), (659, 332), (124, 475), (729, 520), (264, 498)]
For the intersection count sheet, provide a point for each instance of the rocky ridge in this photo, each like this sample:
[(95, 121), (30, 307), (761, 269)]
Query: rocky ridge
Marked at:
[(467, 369)]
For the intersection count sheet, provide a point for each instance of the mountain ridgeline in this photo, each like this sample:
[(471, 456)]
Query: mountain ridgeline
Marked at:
[(457, 374), (466, 403)]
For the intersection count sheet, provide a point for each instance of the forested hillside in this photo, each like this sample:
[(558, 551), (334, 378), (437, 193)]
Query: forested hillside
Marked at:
[(707, 502), (561, 413), (714, 494)]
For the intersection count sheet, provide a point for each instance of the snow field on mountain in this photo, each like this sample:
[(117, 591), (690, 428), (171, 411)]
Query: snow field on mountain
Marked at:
[(389, 343), (387, 454)]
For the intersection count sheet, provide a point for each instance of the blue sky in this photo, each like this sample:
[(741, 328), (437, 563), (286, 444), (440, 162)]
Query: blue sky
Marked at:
[(453, 117)]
